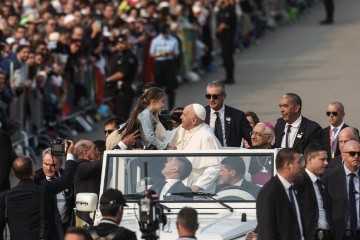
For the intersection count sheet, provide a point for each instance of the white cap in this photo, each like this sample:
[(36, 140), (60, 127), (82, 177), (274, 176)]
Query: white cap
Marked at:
[(69, 18), (199, 111)]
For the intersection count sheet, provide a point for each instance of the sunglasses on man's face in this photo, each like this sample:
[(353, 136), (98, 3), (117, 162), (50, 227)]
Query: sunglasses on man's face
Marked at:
[(352, 153), (108, 131), (213, 96), (335, 114)]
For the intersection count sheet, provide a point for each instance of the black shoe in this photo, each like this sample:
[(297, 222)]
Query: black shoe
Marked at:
[(327, 22)]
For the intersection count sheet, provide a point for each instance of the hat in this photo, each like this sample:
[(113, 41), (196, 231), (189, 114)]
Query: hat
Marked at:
[(268, 124), (199, 111), (113, 196), (69, 18)]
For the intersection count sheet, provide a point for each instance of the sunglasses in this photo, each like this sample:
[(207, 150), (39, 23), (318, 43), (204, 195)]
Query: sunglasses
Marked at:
[(333, 113), (213, 96), (352, 153), (108, 131)]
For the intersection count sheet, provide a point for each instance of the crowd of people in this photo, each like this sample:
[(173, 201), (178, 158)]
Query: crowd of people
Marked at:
[(58, 57)]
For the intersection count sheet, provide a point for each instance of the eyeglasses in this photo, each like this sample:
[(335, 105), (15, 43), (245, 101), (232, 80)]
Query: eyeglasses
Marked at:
[(213, 96), (108, 131), (333, 113), (257, 134), (352, 153)]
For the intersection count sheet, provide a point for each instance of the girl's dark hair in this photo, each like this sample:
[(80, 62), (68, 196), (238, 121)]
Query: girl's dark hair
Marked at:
[(132, 123)]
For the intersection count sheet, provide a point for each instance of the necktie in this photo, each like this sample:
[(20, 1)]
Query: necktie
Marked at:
[(292, 199), (352, 203), (334, 142), (218, 129), (322, 193), (287, 136)]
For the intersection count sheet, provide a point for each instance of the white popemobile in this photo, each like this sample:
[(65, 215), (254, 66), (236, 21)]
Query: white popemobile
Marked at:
[(228, 214)]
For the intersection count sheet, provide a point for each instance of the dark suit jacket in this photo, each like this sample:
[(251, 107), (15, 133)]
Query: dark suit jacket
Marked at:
[(335, 162), (334, 181), (327, 141), (309, 206), (88, 176), (237, 126), (275, 215), (310, 132), (176, 188), (6, 159), (104, 229), (68, 193), (246, 186), (24, 206)]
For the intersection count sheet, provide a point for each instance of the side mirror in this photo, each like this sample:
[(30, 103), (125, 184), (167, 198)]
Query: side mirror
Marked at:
[(86, 202)]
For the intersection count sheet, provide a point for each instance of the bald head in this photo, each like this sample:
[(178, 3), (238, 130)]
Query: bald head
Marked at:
[(86, 150), (346, 135), (23, 168), (335, 112), (351, 155)]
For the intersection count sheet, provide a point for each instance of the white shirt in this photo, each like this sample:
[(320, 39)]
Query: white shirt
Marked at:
[(357, 201), (287, 185), (222, 119), (167, 186), (239, 183), (60, 197), (338, 130), (293, 132), (322, 222)]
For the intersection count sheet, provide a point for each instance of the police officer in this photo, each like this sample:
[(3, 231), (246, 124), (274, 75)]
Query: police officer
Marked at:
[(122, 71), (225, 31)]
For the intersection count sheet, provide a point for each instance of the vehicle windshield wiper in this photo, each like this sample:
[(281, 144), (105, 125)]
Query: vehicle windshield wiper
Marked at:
[(207, 195), (139, 196)]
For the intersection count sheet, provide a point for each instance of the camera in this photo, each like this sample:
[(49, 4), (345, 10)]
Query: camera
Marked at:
[(166, 118), (151, 215), (58, 147)]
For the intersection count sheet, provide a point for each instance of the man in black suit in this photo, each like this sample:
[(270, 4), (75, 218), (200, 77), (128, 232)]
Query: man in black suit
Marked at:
[(293, 130), (232, 172), (5, 160), (230, 124), (88, 175), (345, 135), (27, 200), (342, 184), (277, 208), (336, 114), (313, 199), (65, 200), (175, 171), (112, 204)]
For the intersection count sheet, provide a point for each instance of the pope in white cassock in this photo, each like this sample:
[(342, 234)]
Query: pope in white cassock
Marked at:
[(194, 134)]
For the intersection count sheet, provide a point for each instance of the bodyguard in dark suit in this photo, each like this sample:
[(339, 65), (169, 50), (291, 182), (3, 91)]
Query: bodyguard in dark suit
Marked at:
[(23, 201), (230, 124), (232, 172), (313, 199), (175, 171), (335, 113), (5, 160), (345, 135), (342, 184), (293, 130), (277, 208)]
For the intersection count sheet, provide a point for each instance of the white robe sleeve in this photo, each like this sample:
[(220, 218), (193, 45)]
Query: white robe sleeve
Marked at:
[(207, 180)]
